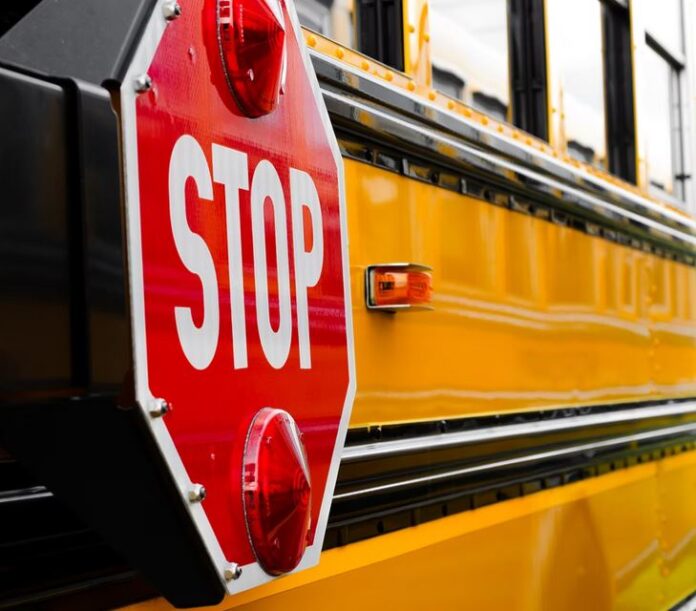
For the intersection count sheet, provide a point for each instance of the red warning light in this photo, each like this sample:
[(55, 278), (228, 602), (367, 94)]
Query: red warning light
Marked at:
[(251, 34), (277, 491)]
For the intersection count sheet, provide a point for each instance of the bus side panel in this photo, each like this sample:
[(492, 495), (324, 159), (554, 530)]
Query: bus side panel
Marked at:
[(622, 541), (527, 312)]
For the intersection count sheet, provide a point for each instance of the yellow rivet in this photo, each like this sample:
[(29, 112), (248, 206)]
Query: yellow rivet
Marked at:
[(365, 65), (426, 37), (467, 112), (340, 53), (516, 135), (501, 128), (528, 141), (432, 95), (484, 119), (450, 104), (389, 75), (411, 86), (312, 40), (411, 28)]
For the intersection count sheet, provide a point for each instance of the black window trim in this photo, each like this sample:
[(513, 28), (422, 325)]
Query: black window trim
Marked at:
[(376, 41), (619, 89), (528, 70), (677, 61)]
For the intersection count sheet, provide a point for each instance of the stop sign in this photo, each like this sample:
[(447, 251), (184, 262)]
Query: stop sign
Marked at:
[(239, 285)]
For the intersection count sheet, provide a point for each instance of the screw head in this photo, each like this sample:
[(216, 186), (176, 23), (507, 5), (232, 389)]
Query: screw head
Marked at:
[(171, 10), (196, 493), (233, 572), (143, 83), (160, 408)]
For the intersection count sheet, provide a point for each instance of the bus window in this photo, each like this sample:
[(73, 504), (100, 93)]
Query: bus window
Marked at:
[(664, 24), (331, 18), (469, 45), (577, 62), (373, 27), (661, 104), (661, 121)]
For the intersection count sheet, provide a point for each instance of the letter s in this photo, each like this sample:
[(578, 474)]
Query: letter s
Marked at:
[(188, 161)]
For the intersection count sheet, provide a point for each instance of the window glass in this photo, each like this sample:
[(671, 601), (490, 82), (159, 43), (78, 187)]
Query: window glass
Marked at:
[(575, 40), (665, 22), (331, 18), (469, 45), (661, 125)]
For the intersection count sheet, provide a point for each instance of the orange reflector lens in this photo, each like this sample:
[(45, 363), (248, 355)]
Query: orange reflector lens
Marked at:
[(398, 286)]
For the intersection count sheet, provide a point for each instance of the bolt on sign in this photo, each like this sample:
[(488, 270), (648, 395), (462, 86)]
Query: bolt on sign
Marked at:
[(240, 302)]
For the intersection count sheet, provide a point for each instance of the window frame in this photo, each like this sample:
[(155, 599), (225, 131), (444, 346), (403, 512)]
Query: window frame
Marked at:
[(529, 93), (390, 51), (676, 66), (619, 89), (679, 58)]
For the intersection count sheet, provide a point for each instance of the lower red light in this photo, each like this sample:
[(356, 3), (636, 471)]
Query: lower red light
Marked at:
[(277, 491), (251, 34)]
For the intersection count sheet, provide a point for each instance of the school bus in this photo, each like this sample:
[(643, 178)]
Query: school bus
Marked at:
[(525, 441)]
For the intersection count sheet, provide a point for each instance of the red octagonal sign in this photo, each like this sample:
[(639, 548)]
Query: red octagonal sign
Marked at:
[(239, 277)]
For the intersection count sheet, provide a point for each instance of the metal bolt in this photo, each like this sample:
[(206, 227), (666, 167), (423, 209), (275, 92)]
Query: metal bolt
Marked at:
[(233, 572), (171, 10), (160, 408), (196, 493), (143, 83)]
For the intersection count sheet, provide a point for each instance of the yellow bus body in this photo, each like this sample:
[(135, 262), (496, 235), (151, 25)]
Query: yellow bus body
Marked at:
[(621, 541), (527, 314), (519, 302)]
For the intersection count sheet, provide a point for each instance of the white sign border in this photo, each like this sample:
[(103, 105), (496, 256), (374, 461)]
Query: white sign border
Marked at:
[(252, 574)]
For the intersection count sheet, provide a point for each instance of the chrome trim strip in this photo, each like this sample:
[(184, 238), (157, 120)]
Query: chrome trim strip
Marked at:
[(388, 97), (465, 154), (28, 494), (447, 440), (520, 460)]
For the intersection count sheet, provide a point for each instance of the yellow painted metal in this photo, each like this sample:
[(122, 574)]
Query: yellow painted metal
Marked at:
[(417, 41), (526, 313), (623, 541)]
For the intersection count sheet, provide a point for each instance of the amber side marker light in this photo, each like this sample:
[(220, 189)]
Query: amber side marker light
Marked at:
[(392, 287)]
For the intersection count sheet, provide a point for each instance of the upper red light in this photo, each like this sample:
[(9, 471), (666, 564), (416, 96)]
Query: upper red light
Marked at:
[(277, 491), (251, 34)]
